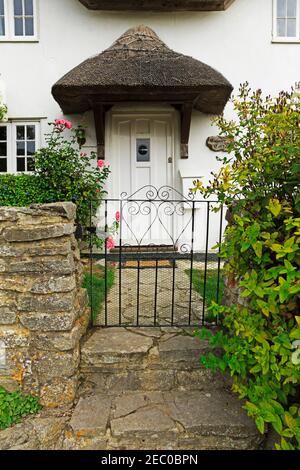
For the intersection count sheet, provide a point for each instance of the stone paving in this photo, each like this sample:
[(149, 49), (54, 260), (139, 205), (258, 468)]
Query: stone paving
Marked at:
[(142, 389), (146, 389), (165, 291)]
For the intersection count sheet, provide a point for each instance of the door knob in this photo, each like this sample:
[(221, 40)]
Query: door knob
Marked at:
[(170, 160)]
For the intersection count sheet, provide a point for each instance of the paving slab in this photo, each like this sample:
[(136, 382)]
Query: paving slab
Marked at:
[(217, 412), (91, 416)]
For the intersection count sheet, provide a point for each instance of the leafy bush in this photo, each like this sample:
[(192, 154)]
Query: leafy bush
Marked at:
[(62, 173), (15, 406), (259, 182), (21, 190)]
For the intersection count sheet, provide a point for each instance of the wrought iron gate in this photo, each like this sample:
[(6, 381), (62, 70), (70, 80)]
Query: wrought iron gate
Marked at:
[(162, 270)]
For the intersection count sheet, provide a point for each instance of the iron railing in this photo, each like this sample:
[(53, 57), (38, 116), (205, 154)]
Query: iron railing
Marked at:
[(166, 272)]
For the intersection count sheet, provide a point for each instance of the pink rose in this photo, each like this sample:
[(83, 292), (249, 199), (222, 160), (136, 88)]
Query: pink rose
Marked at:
[(118, 216), (110, 244), (62, 122), (68, 124), (101, 163), (57, 122)]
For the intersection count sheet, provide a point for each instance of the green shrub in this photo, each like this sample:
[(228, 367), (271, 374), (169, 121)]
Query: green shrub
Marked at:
[(259, 182), (15, 406), (21, 190), (62, 173)]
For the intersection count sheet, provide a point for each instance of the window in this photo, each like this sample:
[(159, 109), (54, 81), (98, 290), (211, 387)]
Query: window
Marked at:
[(287, 20), (2, 19), (18, 144), (3, 149), (18, 20)]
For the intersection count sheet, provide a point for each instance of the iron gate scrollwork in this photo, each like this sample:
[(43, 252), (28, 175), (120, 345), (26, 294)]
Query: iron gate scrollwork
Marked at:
[(162, 260)]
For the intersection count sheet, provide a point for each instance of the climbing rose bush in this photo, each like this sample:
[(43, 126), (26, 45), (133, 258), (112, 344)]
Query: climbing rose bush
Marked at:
[(67, 174), (259, 183)]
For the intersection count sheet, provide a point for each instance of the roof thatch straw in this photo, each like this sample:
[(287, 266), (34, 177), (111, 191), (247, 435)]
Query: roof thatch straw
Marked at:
[(140, 67)]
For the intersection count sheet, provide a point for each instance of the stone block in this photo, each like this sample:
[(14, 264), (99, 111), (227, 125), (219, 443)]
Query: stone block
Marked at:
[(63, 209), (48, 303), (24, 234), (58, 265), (91, 416), (63, 341), (7, 315), (54, 284), (14, 336), (41, 321), (49, 364), (59, 392), (36, 248), (8, 214)]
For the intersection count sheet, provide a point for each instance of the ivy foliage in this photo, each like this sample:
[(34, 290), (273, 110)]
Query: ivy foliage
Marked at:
[(259, 183), (62, 173), (3, 111), (15, 406)]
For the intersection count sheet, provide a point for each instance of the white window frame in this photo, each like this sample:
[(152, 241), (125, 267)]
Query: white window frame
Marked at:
[(282, 39), (6, 35), (12, 142), (10, 24)]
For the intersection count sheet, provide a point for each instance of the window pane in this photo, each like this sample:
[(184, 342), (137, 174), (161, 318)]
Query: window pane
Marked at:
[(281, 24), (3, 133), (30, 132), (20, 164), (291, 28), (29, 7), (29, 30), (30, 164), (281, 8), (3, 165), (2, 26), (20, 132), (20, 148), (19, 31), (1, 7), (18, 8), (292, 8), (30, 148), (3, 149)]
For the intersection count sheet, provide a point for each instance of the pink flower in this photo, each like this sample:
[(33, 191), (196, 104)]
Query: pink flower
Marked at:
[(118, 216), (110, 244), (101, 163), (57, 122), (62, 122), (83, 154), (68, 124)]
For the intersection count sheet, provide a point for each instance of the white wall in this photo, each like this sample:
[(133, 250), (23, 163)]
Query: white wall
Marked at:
[(236, 42)]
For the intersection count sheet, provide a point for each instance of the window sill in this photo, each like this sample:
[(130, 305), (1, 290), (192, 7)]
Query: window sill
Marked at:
[(285, 41), (18, 40)]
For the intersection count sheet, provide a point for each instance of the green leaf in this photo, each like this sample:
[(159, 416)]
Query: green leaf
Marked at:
[(275, 207), (260, 424)]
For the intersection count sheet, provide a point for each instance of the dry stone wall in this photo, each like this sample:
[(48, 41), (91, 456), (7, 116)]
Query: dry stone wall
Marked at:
[(43, 309)]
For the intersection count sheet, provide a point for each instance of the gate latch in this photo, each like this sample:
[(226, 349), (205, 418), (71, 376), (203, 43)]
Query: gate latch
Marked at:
[(170, 160)]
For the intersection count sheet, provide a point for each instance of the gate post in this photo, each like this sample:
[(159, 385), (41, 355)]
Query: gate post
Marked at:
[(43, 309)]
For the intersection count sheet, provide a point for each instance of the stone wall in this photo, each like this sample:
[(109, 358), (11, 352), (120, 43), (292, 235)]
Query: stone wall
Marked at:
[(43, 309)]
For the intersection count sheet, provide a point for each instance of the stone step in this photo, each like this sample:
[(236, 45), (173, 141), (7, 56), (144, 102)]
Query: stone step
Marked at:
[(120, 359), (180, 420)]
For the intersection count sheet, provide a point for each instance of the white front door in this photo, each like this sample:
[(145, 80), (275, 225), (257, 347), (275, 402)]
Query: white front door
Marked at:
[(141, 153)]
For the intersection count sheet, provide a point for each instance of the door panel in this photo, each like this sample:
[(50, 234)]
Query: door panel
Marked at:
[(142, 146)]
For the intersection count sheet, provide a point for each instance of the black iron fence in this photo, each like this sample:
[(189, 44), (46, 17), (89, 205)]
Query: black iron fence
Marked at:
[(160, 267)]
